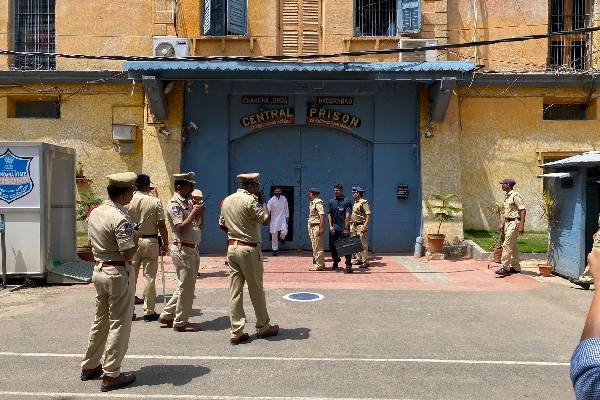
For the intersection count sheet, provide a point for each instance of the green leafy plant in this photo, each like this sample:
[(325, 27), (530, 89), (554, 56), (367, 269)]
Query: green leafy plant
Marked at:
[(497, 209), (88, 201), (79, 170), (443, 211), (549, 204)]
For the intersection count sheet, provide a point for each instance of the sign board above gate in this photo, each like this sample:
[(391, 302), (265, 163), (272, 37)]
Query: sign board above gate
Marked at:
[(267, 118), (280, 100), (335, 119), (335, 101)]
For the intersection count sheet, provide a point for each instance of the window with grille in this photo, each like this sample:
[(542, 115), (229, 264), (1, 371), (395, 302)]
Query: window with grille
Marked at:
[(225, 17), (569, 111), (386, 17), (34, 30), (569, 51)]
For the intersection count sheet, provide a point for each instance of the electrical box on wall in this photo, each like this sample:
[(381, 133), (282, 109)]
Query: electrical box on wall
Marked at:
[(123, 132)]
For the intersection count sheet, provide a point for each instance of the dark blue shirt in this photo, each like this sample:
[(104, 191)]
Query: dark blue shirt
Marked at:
[(338, 207)]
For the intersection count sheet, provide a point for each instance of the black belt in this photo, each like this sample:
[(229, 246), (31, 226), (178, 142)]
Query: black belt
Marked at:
[(358, 223), (113, 263), (512, 219), (155, 236)]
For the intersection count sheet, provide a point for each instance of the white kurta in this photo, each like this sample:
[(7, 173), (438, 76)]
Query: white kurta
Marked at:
[(279, 211)]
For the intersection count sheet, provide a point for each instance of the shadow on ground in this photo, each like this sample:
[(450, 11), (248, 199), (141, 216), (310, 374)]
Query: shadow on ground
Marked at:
[(176, 375)]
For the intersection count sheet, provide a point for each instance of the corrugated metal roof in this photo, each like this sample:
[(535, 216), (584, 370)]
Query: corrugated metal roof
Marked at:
[(300, 70), (264, 66), (589, 158)]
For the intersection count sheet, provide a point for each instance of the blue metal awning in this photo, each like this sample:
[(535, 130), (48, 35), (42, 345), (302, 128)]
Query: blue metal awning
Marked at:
[(174, 70), (441, 75), (587, 159)]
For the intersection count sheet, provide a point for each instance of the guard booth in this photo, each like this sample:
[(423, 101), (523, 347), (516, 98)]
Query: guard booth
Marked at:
[(37, 198), (575, 183)]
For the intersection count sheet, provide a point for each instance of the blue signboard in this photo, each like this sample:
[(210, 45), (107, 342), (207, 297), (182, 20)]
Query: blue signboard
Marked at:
[(15, 176)]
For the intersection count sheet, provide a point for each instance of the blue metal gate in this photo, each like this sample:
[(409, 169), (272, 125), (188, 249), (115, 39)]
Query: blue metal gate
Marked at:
[(303, 157)]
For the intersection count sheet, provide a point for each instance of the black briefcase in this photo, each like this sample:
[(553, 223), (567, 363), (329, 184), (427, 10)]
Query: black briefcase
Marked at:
[(348, 245)]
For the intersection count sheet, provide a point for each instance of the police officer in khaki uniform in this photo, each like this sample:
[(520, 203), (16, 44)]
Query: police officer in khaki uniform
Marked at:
[(586, 279), (361, 216), (513, 225), (241, 217), (114, 244), (147, 214), (184, 252), (316, 228)]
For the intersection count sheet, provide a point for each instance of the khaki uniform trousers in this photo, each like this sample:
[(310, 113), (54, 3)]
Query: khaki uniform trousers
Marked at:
[(109, 335), (359, 230), (146, 259), (318, 245), (187, 262), (510, 252), (587, 274), (246, 265)]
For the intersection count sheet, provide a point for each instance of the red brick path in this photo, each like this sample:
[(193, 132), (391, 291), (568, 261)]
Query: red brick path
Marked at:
[(386, 272)]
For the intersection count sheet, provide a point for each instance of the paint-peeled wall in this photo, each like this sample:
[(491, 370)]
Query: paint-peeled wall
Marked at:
[(503, 134)]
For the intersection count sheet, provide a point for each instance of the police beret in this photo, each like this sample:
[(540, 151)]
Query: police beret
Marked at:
[(508, 181), (122, 179), (358, 189), (197, 193), (314, 190), (190, 177), (252, 177)]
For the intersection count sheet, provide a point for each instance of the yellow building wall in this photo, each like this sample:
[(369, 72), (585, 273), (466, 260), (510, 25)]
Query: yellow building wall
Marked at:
[(503, 135), (5, 29)]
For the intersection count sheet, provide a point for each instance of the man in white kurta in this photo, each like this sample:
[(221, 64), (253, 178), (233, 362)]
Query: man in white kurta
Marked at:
[(280, 213)]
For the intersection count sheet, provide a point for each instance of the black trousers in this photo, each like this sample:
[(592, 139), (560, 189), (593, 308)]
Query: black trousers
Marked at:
[(336, 258)]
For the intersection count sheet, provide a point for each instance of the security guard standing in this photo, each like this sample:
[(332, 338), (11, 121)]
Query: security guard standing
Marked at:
[(241, 217), (586, 279), (316, 228), (361, 216), (114, 244), (184, 252), (147, 213), (513, 225)]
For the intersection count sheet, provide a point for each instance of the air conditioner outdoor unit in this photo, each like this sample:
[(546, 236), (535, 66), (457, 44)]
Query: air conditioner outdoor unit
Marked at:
[(170, 46), (427, 55)]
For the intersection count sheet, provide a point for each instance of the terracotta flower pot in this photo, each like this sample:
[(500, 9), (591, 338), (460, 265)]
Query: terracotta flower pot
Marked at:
[(498, 254), (545, 269), (435, 243)]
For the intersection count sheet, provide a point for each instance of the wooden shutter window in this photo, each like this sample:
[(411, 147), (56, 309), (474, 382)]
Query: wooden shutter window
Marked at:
[(301, 27), (311, 26)]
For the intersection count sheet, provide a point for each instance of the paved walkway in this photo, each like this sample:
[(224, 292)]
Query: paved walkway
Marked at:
[(386, 272)]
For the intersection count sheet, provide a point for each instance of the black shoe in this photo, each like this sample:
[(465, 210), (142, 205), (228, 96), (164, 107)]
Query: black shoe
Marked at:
[(348, 269), (514, 271), (275, 253), (335, 267), (583, 285), (94, 373), (138, 300), (151, 317), (501, 272), (120, 381)]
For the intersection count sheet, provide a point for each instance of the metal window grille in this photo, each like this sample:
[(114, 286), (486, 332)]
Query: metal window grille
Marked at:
[(34, 30), (570, 51), (576, 111), (376, 18)]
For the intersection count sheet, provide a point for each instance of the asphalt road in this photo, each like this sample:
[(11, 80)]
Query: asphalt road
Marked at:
[(352, 344)]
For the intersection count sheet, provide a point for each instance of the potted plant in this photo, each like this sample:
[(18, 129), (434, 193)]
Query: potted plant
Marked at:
[(80, 178), (497, 209), (442, 212), (549, 206), (85, 205)]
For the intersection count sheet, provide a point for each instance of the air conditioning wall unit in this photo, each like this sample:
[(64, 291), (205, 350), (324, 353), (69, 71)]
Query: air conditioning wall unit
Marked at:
[(427, 55), (170, 46)]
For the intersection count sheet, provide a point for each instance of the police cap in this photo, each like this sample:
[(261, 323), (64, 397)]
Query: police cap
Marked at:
[(508, 181), (122, 179), (253, 177), (190, 177)]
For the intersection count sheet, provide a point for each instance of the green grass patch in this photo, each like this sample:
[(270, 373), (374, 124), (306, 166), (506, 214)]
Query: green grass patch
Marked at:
[(529, 242), (82, 239)]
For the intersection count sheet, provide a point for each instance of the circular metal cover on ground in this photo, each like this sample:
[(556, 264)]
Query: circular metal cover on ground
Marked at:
[(303, 296)]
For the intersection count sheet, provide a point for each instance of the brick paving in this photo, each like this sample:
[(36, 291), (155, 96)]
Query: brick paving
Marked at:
[(386, 272)]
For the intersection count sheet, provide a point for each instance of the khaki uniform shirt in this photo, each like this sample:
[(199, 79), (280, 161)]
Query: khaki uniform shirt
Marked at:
[(315, 210), (242, 217), (513, 202), (110, 231), (360, 210), (177, 212), (146, 210)]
